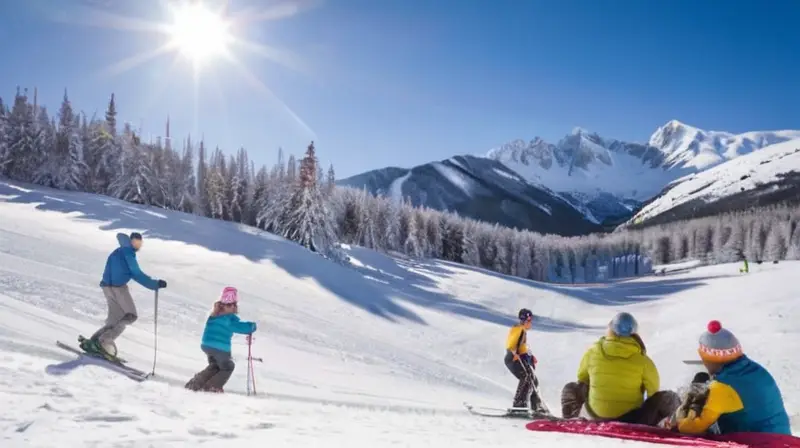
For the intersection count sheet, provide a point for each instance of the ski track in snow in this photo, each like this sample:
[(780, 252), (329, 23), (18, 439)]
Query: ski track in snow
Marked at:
[(454, 177), (396, 187), (382, 353)]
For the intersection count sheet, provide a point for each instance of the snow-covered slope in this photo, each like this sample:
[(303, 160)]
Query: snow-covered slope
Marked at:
[(482, 189), (609, 177), (753, 179), (380, 354)]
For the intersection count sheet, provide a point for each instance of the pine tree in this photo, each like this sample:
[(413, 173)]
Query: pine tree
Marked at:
[(71, 172), (202, 205), (20, 140), (134, 180), (330, 181), (5, 156), (291, 170), (308, 222)]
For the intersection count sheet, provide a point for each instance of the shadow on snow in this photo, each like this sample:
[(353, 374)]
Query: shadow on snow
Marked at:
[(379, 284)]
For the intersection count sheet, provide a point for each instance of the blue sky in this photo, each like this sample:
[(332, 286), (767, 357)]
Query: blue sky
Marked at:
[(403, 82)]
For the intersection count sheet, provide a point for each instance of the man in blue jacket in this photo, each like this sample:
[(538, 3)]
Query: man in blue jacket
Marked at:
[(121, 267)]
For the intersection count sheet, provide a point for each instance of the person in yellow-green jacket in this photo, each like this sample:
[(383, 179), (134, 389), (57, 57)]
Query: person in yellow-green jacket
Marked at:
[(741, 397), (613, 376), (522, 364)]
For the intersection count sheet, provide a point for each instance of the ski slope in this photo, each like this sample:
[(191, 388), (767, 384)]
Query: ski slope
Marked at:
[(381, 353)]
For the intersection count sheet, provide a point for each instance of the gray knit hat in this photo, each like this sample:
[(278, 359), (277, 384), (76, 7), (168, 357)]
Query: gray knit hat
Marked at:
[(719, 344)]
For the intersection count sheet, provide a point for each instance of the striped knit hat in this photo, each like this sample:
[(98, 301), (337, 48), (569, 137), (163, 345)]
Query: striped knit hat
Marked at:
[(719, 345)]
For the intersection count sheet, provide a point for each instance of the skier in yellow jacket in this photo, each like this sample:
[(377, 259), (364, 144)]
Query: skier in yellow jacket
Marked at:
[(522, 364), (613, 376)]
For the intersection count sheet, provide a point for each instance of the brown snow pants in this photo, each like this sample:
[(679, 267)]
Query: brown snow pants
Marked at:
[(121, 313), (216, 374), (662, 404)]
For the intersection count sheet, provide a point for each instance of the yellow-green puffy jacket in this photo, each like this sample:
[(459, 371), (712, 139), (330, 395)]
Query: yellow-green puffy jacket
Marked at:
[(617, 373)]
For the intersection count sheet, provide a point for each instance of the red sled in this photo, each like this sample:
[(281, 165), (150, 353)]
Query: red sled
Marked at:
[(651, 434)]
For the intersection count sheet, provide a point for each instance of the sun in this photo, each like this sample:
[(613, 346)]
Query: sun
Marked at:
[(198, 33)]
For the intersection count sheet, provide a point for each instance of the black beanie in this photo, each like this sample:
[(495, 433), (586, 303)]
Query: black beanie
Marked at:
[(136, 236)]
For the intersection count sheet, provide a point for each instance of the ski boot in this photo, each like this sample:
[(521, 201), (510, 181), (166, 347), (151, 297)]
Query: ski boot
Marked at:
[(95, 348)]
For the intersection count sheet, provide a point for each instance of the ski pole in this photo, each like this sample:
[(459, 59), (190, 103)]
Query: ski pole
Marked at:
[(155, 334), (250, 370)]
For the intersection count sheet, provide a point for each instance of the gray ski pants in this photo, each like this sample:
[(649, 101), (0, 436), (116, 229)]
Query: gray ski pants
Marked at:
[(216, 374), (121, 313)]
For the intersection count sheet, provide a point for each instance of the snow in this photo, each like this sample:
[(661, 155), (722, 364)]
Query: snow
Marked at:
[(380, 353), (744, 173), (396, 187), (454, 177)]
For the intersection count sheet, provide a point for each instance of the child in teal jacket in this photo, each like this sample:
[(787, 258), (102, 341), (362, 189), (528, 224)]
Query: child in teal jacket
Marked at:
[(220, 327)]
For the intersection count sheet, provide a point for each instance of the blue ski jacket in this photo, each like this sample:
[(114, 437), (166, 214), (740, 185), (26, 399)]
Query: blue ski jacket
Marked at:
[(220, 329), (121, 267)]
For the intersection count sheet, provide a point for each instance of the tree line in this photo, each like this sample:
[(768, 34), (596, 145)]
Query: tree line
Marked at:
[(299, 200)]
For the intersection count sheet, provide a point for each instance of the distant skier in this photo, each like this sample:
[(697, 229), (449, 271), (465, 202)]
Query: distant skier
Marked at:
[(612, 377), (121, 267), (220, 327), (742, 397), (522, 364)]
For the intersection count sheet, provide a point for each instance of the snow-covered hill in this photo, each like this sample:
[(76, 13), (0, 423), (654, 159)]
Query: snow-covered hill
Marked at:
[(757, 178), (611, 177), (478, 188), (382, 353)]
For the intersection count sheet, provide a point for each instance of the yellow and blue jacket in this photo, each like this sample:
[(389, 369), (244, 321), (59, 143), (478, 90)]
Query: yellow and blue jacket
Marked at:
[(742, 398), (517, 341)]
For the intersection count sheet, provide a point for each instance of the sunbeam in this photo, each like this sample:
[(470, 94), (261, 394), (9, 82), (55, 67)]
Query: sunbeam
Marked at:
[(258, 85), (207, 37)]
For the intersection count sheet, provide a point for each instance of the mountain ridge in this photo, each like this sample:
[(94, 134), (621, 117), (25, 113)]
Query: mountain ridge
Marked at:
[(606, 180)]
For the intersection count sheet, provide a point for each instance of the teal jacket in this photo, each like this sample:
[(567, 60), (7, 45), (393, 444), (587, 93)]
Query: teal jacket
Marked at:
[(763, 405), (220, 329)]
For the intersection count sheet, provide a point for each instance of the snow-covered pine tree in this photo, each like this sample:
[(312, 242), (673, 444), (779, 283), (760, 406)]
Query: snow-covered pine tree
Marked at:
[(203, 207), (330, 181), (471, 255), (411, 245), (21, 140), (258, 198), (4, 154), (71, 174), (44, 149), (133, 182), (185, 199), (291, 170), (308, 221)]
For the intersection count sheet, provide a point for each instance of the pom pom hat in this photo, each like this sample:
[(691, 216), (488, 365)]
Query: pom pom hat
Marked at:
[(229, 295), (719, 344)]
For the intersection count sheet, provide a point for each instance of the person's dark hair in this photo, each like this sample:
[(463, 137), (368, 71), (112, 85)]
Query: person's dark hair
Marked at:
[(136, 236)]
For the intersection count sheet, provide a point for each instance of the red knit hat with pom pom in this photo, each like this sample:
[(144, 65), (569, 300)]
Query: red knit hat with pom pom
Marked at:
[(719, 345)]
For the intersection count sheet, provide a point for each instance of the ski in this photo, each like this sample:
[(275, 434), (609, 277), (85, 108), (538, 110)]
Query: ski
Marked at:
[(97, 359), (524, 413), (693, 362)]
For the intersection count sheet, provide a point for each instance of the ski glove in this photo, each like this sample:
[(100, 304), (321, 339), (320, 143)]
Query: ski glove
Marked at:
[(162, 284)]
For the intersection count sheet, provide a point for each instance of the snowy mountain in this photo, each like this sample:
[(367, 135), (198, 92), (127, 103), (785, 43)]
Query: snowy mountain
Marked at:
[(478, 188), (609, 178), (379, 354), (766, 176)]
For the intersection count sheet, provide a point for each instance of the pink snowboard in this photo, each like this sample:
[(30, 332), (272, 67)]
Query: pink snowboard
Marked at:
[(652, 434)]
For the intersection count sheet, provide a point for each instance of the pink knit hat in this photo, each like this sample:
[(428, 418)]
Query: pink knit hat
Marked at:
[(229, 295)]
